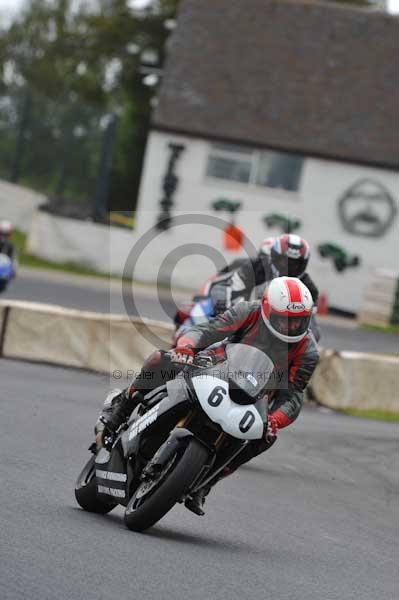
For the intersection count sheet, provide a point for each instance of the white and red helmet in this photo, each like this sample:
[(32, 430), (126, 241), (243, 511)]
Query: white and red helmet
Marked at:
[(286, 308), (289, 255), (5, 229)]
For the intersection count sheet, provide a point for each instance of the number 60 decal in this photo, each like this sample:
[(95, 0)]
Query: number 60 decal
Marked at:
[(216, 398)]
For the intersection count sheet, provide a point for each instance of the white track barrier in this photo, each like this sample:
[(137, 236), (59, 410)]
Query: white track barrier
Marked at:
[(379, 299), (357, 380), (109, 343), (73, 338), (18, 204)]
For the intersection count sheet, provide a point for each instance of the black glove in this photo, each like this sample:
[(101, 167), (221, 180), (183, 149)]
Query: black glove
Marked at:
[(204, 359), (209, 358)]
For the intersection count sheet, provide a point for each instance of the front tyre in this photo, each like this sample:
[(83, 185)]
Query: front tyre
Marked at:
[(86, 490), (143, 513)]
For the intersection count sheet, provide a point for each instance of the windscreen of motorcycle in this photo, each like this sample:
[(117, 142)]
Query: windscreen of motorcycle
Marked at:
[(247, 372), (248, 369)]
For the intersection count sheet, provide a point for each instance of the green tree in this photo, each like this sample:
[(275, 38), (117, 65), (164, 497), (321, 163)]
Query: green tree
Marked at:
[(79, 65)]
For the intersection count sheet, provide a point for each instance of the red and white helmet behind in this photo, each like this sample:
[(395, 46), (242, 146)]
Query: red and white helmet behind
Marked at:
[(287, 308), (289, 255)]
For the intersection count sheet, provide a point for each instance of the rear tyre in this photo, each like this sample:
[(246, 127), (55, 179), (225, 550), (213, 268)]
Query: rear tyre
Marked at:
[(3, 286), (142, 515), (86, 491)]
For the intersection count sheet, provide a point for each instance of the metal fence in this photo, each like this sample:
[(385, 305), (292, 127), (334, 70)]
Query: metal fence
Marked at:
[(60, 147)]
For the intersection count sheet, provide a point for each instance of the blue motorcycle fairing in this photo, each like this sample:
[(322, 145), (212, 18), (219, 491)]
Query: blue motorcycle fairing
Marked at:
[(6, 268), (202, 311)]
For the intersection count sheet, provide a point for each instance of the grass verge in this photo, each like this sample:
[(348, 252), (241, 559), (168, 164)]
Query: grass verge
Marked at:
[(384, 328), (377, 415)]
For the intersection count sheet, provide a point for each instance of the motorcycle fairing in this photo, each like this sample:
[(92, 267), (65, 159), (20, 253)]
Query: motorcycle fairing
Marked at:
[(6, 271), (201, 312), (161, 417), (116, 470), (111, 474), (240, 421)]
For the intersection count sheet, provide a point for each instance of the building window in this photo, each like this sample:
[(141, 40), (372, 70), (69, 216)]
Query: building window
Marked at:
[(229, 162), (262, 168)]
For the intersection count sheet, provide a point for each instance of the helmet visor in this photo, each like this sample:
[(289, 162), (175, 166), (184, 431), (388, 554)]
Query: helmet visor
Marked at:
[(289, 267), (291, 326)]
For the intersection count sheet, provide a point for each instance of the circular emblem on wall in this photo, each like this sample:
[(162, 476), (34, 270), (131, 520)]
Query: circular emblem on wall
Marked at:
[(367, 209)]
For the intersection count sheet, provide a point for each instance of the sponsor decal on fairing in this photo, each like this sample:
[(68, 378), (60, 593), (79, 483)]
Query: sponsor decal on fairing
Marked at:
[(144, 422), (111, 475), (102, 489)]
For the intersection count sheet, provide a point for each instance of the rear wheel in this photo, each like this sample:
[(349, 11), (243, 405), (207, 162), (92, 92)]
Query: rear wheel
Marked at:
[(86, 491), (151, 501)]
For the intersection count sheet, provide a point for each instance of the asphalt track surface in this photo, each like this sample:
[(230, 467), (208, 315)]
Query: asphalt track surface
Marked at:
[(316, 518), (100, 296)]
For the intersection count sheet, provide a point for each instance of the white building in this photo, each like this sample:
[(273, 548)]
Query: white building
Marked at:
[(291, 108)]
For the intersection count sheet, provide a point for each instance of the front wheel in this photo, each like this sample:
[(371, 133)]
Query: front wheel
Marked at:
[(146, 508), (86, 490)]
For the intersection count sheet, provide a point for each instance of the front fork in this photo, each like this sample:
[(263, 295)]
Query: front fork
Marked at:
[(178, 437), (200, 483)]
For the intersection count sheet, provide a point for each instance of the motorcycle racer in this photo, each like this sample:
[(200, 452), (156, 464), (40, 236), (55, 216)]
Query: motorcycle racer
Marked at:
[(6, 245), (286, 255), (278, 325)]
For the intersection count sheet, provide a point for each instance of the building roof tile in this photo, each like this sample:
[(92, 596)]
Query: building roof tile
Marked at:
[(301, 76)]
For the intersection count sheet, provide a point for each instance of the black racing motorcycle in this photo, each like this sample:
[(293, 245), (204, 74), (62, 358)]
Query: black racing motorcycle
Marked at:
[(187, 432)]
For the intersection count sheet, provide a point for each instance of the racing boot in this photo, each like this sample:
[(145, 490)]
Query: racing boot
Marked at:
[(196, 501), (117, 408)]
